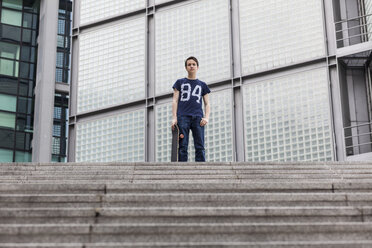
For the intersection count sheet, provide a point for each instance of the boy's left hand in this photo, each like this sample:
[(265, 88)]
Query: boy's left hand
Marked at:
[(203, 122)]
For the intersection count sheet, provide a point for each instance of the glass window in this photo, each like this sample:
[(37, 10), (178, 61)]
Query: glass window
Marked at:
[(23, 157), (27, 20), (10, 32), (31, 5), (14, 4), (11, 17), (23, 141), (60, 41), (6, 155), (24, 105), (9, 67), (7, 120), (26, 70), (26, 88), (8, 103), (8, 50), (27, 54), (24, 123), (61, 26), (6, 138), (8, 85), (26, 35), (59, 62)]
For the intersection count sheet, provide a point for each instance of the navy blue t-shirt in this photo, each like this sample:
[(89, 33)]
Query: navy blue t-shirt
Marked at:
[(191, 96)]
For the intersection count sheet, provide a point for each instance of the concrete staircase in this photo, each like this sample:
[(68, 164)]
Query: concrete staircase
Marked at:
[(186, 205)]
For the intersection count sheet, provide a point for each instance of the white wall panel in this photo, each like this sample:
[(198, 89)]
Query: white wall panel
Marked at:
[(112, 65), (114, 138), (218, 132), (199, 29), (288, 118), (276, 33), (94, 10)]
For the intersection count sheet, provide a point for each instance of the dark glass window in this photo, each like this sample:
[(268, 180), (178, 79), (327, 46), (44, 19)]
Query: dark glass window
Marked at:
[(10, 33), (6, 138), (60, 128), (63, 41), (8, 85), (18, 34), (23, 141)]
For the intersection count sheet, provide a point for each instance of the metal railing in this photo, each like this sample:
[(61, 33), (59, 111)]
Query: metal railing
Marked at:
[(354, 30), (360, 142)]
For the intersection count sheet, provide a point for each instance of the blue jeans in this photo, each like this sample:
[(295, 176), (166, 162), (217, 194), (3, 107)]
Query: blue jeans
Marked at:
[(185, 123)]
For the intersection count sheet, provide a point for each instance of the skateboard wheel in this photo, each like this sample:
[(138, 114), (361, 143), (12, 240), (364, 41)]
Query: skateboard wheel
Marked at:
[(181, 136)]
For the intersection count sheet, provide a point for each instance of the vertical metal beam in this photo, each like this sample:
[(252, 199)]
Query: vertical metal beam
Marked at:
[(150, 83), (45, 82), (335, 92), (238, 130), (74, 82)]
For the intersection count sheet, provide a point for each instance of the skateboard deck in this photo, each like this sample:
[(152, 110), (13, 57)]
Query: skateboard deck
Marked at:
[(175, 143)]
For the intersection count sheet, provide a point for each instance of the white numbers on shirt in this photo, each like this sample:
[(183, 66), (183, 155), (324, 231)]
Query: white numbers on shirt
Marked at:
[(197, 92), (186, 90), (185, 94)]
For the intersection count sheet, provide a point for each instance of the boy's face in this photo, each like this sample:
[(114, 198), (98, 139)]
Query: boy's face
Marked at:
[(191, 66)]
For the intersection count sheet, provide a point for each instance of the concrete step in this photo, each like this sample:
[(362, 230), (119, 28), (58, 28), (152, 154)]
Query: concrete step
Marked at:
[(184, 215), (185, 199), (191, 187), (288, 244), (297, 204), (158, 232)]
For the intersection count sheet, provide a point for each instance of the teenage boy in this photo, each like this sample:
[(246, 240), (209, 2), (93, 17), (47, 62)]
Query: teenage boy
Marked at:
[(187, 111)]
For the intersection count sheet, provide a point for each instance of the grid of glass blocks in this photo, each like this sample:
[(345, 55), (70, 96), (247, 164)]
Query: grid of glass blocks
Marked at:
[(116, 138), (63, 63), (276, 33), (218, 132), (93, 10), (288, 118), (203, 32), (112, 65), (161, 1), (163, 134), (368, 8)]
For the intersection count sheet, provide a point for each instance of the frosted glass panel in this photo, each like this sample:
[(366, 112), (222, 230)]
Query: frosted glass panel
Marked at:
[(8, 103), (163, 134), (115, 138), (93, 10), (276, 33), (288, 118), (199, 29), (23, 157), (112, 65), (368, 7), (6, 155), (161, 1), (218, 132)]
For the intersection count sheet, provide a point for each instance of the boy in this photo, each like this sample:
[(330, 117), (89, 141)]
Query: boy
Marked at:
[(187, 110)]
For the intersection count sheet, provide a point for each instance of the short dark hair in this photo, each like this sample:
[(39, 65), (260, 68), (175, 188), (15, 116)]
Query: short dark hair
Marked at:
[(193, 58)]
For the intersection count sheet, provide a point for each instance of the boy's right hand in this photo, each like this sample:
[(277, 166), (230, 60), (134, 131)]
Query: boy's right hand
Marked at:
[(174, 123)]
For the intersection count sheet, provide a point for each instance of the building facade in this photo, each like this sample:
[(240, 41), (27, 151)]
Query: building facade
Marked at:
[(290, 79), (34, 79)]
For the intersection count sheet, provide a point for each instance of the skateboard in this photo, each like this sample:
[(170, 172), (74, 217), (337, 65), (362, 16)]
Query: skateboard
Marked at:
[(175, 143)]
